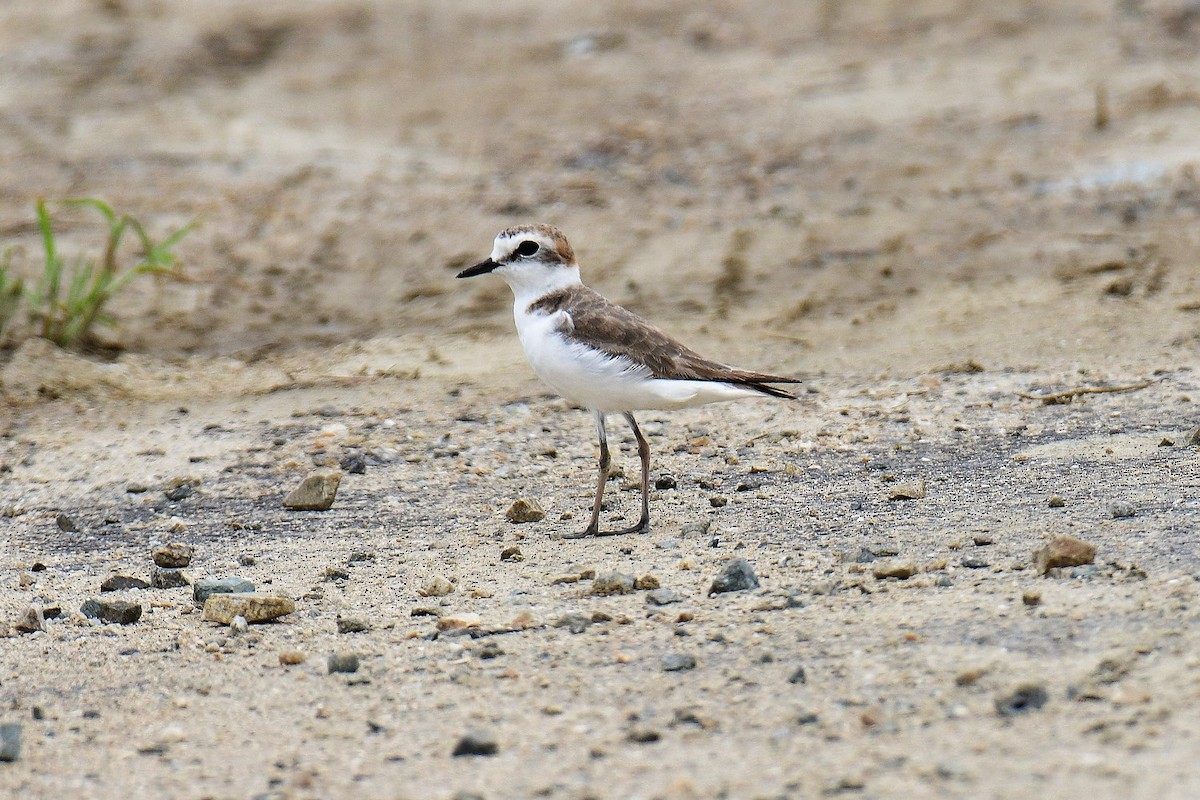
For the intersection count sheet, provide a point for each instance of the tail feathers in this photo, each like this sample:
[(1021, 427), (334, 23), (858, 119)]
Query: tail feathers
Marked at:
[(760, 382)]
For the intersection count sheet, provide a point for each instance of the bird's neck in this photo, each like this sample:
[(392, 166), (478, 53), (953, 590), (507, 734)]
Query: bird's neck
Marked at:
[(528, 288)]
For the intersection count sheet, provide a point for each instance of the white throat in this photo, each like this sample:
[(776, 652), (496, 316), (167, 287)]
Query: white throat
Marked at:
[(528, 283)]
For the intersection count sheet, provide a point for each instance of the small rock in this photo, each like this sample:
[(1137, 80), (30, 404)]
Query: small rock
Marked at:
[(10, 741), (799, 675), (239, 624), (458, 622), (180, 488), (982, 539), (136, 487), (678, 662), (663, 597), (908, 490), (315, 493), (512, 554), (121, 612), (335, 574), (352, 625), (737, 575), (695, 528), (206, 587), (1056, 501), (573, 621), (31, 620), (647, 582), (119, 583), (1027, 697), (717, 501), (247, 560), (1031, 597), (975, 562), (1063, 550), (173, 555), (611, 583), (1121, 510), (52, 611), (168, 578), (354, 462), (67, 524), (343, 662), (476, 743), (665, 481), (290, 658), (643, 735), (523, 510), (895, 569), (254, 606), (855, 555), (438, 587)]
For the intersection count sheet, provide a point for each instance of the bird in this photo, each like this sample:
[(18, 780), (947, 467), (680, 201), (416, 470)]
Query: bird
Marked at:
[(601, 356)]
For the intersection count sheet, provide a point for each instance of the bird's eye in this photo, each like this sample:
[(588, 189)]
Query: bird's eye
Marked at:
[(527, 248)]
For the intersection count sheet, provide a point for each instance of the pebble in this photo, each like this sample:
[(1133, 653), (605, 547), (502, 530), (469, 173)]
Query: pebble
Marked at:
[(799, 675), (1121, 510), (643, 735), (695, 528), (737, 575), (476, 743), (1063, 550), (1027, 697), (908, 490), (1056, 501), (902, 570), (254, 606), (611, 583), (647, 582), (180, 488), (855, 555), (239, 624), (343, 662), (458, 622), (10, 741), (438, 587), (118, 611), (678, 662), (1031, 597), (119, 583), (67, 524), (717, 501), (523, 510), (665, 481), (573, 621), (663, 597), (975, 562), (206, 587), (32, 620), (335, 574), (290, 658), (173, 555), (352, 625), (512, 554), (168, 578), (354, 462), (315, 493)]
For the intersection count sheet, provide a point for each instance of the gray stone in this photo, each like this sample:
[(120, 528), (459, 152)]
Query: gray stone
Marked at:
[(120, 583), (1027, 697), (1121, 510), (10, 741), (32, 620), (663, 597), (203, 588), (67, 524), (476, 743), (352, 625), (121, 612), (573, 621), (799, 675), (613, 583), (173, 555), (254, 606), (168, 578), (678, 662), (343, 662), (975, 562), (315, 493), (737, 575)]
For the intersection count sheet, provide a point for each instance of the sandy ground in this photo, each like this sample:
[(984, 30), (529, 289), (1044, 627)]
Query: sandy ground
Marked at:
[(928, 210)]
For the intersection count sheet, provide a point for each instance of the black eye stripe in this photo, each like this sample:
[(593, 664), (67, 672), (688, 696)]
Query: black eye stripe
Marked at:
[(527, 248)]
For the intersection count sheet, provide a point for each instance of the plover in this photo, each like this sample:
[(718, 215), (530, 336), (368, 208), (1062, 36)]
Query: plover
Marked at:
[(601, 356)]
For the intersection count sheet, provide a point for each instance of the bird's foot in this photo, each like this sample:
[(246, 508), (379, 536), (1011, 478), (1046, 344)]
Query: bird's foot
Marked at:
[(642, 526)]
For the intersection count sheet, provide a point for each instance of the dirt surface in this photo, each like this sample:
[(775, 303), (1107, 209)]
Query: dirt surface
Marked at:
[(932, 211)]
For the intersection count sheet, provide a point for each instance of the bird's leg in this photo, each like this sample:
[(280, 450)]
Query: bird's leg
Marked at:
[(593, 528), (643, 525)]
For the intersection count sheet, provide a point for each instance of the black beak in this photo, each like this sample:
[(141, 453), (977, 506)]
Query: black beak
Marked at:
[(482, 268)]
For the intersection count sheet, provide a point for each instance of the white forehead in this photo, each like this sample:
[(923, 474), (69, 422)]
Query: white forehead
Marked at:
[(507, 241)]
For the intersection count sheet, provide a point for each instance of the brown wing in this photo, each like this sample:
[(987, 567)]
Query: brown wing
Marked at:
[(619, 332)]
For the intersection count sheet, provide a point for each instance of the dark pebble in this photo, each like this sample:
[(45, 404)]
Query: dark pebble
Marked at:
[(665, 481), (644, 735), (119, 583), (352, 625), (512, 553), (168, 578), (799, 675), (204, 587), (975, 562), (678, 662), (121, 612), (343, 662), (179, 492), (354, 462), (67, 524), (737, 575), (1028, 697), (476, 743)]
